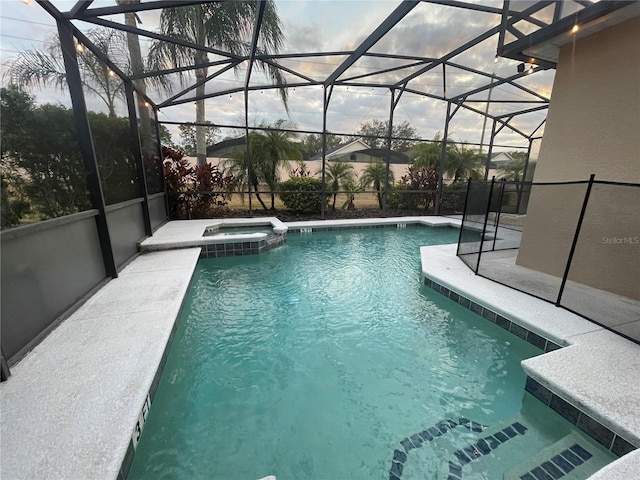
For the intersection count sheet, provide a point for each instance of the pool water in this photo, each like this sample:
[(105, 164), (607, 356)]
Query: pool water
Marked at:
[(315, 360)]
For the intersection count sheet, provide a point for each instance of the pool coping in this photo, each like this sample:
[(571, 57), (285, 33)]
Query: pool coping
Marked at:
[(51, 427)]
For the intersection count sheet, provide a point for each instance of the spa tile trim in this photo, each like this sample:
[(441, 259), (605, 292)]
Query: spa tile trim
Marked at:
[(601, 434), (219, 250)]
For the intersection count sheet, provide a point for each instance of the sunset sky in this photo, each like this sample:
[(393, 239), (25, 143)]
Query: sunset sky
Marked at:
[(428, 30)]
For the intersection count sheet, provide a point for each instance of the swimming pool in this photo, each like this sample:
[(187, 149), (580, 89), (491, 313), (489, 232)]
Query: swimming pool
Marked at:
[(323, 358)]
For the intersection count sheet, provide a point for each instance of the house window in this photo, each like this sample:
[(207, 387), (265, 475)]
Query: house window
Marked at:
[(352, 156)]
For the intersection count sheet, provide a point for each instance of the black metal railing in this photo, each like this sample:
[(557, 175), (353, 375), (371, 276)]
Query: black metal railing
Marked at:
[(573, 244)]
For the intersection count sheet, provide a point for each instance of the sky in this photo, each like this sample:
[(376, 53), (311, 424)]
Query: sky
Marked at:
[(328, 26)]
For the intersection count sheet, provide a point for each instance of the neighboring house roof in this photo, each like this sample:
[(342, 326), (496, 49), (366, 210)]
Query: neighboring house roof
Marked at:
[(395, 157), (225, 146), (341, 150), (359, 147), (499, 160)]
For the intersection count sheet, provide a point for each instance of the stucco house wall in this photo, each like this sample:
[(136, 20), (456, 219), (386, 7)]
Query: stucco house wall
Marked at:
[(593, 126)]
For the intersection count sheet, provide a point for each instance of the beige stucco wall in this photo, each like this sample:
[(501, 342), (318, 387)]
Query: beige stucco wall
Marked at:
[(593, 126)]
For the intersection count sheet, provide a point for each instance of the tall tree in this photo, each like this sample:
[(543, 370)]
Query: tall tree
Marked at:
[(40, 148), (137, 68), (375, 132), (312, 143), (188, 136), (43, 68), (375, 174), (217, 24)]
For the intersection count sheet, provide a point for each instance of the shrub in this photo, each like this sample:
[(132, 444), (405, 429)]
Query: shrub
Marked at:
[(198, 192), (422, 181), (302, 194), (453, 197)]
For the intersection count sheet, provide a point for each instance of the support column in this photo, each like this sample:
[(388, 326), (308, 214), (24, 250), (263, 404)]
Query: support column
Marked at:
[(136, 151), (522, 186), (490, 150), (161, 157), (248, 146), (325, 104), (5, 373), (389, 135), (85, 141), (443, 153)]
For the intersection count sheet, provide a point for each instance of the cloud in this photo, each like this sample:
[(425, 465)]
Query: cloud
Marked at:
[(428, 30)]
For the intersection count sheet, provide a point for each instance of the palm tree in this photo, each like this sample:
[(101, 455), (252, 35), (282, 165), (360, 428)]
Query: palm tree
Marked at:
[(462, 162), (217, 24), (137, 68), (272, 149), (338, 174), (375, 173), (350, 189), (268, 151), (42, 68), (513, 171), (426, 154), (237, 166)]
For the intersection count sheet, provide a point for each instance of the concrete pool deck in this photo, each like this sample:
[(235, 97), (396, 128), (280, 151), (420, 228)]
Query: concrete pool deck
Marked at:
[(71, 406)]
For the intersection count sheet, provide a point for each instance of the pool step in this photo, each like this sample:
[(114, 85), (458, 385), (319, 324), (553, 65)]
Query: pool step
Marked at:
[(454, 447), (571, 458)]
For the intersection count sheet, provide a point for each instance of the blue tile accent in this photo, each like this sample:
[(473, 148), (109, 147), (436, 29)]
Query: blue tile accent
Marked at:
[(399, 456), (536, 340), (518, 330), (396, 469), (440, 428), (539, 391), (621, 447), (489, 315), (595, 430), (572, 457), (562, 463), (581, 452), (426, 436), (540, 474), (476, 308), (501, 437), (492, 442), (462, 457), (552, 470), (503, 323), (128, 460), (568, 411)]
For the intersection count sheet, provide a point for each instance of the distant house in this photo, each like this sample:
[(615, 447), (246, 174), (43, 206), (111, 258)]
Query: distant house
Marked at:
[(498, 161), (359, 152), (225, 147)]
